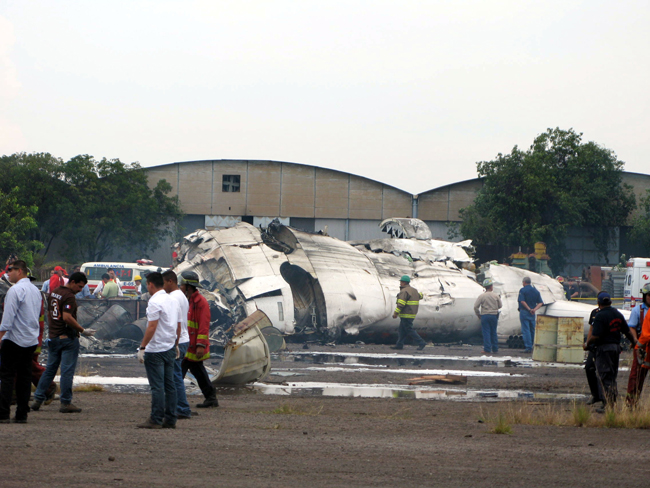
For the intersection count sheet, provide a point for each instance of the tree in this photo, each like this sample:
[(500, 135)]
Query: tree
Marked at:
[(38, 176), (16, 221), (110, 206), (640, 232), (536, 195)]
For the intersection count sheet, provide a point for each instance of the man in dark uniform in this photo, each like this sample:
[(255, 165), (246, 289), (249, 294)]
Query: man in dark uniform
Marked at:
[(608, 326), (408, 300), (590, 364)]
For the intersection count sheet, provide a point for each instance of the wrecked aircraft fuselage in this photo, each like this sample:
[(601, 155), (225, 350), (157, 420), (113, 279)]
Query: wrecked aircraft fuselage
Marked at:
[(313, 283)]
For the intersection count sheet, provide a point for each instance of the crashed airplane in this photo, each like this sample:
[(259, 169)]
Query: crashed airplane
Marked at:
[(311, 283)]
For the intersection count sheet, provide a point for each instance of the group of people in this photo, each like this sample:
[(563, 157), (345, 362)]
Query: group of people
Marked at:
[(175, 341), (21, 332)]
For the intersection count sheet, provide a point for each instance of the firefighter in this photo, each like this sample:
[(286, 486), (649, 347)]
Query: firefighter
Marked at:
[(637, 373), (198, 326), (408, 300), (605, 335)]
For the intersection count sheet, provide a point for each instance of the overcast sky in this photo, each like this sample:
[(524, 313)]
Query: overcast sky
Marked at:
[(410, 93)]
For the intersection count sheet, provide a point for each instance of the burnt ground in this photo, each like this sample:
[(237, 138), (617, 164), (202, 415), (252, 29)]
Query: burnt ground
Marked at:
[(254, 439)]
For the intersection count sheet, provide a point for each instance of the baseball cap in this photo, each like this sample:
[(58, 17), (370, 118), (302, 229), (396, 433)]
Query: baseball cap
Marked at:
[(604, 298), (58, 268)]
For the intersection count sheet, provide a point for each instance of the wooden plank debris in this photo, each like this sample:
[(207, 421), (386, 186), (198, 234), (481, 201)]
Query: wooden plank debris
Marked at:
[(450, 379)]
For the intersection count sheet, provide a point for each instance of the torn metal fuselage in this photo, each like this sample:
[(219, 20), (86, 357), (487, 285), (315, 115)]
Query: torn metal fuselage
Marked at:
[(313, 283)]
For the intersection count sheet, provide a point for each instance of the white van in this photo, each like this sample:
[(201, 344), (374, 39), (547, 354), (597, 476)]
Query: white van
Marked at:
[(124, 271), (637, 274)]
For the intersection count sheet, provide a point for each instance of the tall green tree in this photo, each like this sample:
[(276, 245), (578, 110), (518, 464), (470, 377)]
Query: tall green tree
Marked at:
[(38, 175), (16, 221), (640, 232), (537, 194), (110, 206)]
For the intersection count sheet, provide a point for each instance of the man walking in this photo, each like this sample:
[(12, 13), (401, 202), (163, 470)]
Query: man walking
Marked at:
[(408, 300), (608, 326), (158, 351), (63, 347), (198, 326), (529, 302), (18, 340), (486, 308), (170, 279)]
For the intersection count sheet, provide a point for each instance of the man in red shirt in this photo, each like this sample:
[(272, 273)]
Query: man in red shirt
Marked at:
[(198, 327), (57, 278)]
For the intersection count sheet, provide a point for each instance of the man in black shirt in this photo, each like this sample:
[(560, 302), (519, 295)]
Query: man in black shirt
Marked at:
[(605, 335), (590, 364)]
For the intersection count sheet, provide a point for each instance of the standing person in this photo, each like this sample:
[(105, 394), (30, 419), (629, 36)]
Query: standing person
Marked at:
[(138, 285), (158, 351), (486, 308), (56, 279), (529, 301), (198, 326), (590, 364), (18, 341), (608, 326), (408, 300), (111, 277), (637, 373), (85, 292), (45, 288), (63, 347), (170, 279), (109, 290)]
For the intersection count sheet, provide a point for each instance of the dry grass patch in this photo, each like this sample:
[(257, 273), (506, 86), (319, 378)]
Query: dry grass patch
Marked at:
[(561, 414), (289, 409), (89, 388)]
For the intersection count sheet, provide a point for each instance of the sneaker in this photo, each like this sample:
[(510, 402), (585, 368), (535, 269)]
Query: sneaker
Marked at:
[(421, 346), (592, 400), (208, 403), (167, 425), (149, 424), (528, 351), (69, 408), (35, 405), (4, 421), (397, 347), (49, 395)]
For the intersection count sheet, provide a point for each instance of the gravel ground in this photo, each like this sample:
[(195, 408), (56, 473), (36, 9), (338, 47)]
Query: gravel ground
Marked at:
[(254, 439)]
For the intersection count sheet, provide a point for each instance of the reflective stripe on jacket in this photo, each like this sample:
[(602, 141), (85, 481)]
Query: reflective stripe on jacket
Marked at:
[(408, 300), (198, 326)]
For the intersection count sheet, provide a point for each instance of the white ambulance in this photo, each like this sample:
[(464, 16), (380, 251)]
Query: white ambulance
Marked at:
[(125, 272), (637, 274)]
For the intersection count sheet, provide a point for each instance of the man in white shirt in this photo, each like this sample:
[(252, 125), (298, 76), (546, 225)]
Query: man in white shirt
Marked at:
[(158, 351), (170, 279), (19, 337)]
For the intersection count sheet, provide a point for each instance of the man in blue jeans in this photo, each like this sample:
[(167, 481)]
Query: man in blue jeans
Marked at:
[(486, 308), (158, 351), (171, 287), (63, 346), (529, 302)]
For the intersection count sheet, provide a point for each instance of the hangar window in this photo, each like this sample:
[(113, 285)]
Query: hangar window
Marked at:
[(230, 183)]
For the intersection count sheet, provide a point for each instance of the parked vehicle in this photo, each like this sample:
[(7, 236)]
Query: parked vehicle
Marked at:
[(637, 274), (124, 271)]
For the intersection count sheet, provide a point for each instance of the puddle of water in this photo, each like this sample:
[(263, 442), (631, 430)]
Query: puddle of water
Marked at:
[(387, 360), (416, 372), (414, 392)]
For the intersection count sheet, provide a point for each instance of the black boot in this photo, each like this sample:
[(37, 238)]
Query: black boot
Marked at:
[(209, 402)]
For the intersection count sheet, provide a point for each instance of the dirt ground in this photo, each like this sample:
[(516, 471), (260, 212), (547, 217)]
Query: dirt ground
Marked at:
[(254, 439)]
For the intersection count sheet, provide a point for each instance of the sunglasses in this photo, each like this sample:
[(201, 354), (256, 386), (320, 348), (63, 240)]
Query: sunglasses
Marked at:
[(11, 268)]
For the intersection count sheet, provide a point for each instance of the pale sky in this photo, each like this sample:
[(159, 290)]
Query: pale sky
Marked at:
[(410, 93)]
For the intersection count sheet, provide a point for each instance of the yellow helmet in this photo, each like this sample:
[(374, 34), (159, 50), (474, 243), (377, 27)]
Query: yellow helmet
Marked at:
[(137, 278)]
